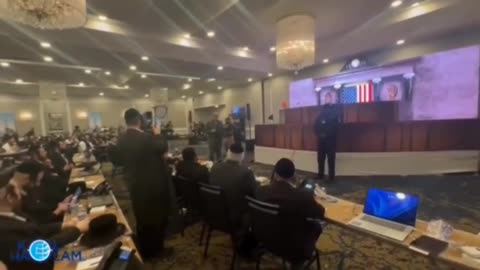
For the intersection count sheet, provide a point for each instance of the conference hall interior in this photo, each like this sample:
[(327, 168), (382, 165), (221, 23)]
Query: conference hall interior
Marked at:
[(239, 134)]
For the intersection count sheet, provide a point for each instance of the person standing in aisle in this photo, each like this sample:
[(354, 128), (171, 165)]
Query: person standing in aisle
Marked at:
[(147, 176), (228, 134), (215, 136), (326, 129)]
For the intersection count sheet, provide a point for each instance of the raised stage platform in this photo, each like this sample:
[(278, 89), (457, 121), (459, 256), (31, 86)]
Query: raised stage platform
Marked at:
[(372, 141), (380, 163)]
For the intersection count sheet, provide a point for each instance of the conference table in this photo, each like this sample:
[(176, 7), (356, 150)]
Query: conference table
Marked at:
[(91, 182), (341, 212)]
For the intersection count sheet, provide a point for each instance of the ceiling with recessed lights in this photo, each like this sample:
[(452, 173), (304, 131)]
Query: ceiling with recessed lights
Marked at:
[(128, 47)]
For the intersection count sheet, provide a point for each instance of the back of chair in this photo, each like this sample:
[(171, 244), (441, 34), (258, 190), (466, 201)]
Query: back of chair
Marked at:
[(214, 208), (187, 190), (290, 237)]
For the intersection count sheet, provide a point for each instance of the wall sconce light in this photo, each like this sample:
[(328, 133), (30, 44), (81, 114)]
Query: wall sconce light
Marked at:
[(82, 115), (25, 116)]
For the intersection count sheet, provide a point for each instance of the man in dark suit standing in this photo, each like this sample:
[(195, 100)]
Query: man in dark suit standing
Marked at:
[(148, 178), (215, 137), (326, 129)]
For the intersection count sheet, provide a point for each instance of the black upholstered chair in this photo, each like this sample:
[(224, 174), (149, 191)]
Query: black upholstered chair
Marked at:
[(274, 232), (188, 200), (215, 214)]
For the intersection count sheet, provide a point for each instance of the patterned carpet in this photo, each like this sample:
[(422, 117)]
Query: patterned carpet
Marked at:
[(452, 198)]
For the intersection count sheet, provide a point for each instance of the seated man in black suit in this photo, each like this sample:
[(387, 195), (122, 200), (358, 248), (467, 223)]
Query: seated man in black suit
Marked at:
[(15, 229), (56, 153), (190, 168), (282, 191), (53, 183), (297, 207), (36, 205), (237, 181)]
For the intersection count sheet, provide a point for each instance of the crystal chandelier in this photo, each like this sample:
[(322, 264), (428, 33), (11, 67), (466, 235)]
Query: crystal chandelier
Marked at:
[(296, 42), (45, 14)]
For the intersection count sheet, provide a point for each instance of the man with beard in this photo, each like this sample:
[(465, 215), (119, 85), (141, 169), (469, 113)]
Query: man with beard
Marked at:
[(148, 178)]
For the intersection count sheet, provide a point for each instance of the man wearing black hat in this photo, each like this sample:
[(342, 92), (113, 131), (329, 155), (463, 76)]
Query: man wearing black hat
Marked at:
[(148, 179), (236, 180), (282, 191)]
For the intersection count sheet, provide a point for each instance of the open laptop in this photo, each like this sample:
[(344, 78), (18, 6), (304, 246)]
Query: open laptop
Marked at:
[(390, 214)]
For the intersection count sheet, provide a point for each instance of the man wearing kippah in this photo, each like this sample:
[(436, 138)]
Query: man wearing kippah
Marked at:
[(236, 180)]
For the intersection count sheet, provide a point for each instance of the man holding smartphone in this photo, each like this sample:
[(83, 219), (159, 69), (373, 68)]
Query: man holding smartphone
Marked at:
[(148, 179)]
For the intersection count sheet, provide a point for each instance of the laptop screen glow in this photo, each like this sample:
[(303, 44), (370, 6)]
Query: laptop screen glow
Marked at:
[(394, 206)]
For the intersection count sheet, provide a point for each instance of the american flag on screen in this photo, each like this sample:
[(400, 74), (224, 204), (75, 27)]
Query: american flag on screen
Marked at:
[(358, 93)]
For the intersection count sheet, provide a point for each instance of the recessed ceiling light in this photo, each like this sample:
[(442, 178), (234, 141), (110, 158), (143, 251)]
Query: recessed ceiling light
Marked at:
[(81, 84), (47, 59), (270, 74), (101, 94), (318, 88), (132, 67), (245, 49), (88, 71), (216, 106), (45, 45), (126, 86), (5, 64), (211, 80), (145, 58), (272, 49), (326, 60), (186, 86), (200, 92), (219, 87), (190, 80), (210, 34), (19, 81), (147, 95), (220, 68), (143, 76), (400, 42), (396, 3), (416, 4), (184, 97), (102, 17), (187, 35), (250, 79), (107, 73)]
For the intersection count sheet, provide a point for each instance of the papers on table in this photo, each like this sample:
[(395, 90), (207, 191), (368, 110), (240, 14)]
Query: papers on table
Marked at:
[(89, 264), (98, 209), (78, 179)]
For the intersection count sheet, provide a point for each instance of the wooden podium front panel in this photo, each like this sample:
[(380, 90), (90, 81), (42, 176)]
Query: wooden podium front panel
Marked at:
[(379, 137), (393, 138), (293, 116), (309, 138)]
